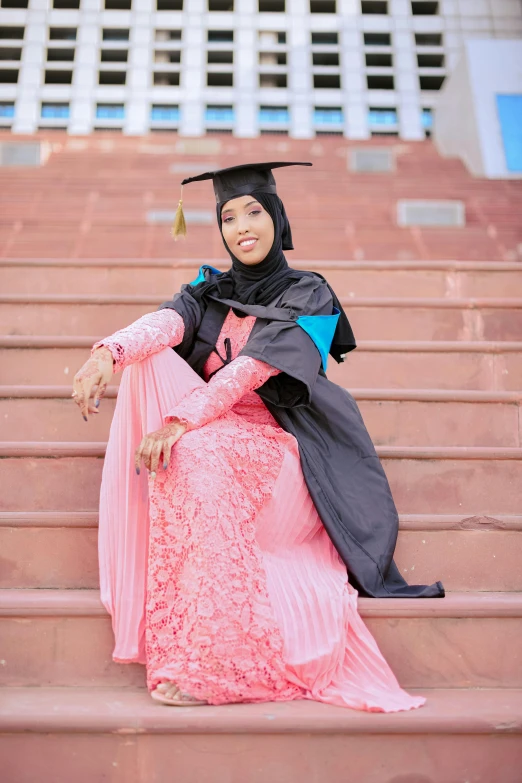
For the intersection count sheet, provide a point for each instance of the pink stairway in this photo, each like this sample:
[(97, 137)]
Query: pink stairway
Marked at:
[(438, 377)]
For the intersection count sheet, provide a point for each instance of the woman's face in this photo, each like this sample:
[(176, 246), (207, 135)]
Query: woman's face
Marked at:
[(244, 219)]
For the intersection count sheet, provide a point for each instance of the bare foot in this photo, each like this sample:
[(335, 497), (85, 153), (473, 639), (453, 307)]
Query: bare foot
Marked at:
[(169, 693)]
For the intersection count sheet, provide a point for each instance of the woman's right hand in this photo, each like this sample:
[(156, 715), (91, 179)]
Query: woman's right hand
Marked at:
[(94, 376)]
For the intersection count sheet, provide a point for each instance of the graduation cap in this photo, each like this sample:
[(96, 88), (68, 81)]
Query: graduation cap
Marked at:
[(232, 182)]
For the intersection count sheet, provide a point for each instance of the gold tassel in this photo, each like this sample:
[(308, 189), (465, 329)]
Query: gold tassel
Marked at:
[(179, 229)]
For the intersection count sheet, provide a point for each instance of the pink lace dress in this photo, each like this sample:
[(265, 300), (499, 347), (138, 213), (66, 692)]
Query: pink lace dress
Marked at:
[(218, 573)]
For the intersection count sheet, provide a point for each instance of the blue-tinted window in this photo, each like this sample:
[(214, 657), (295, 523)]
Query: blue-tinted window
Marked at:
[(219, 114), (110, 111), (7, 109), (165, 113), (328, 116), (55, 111), (382, 116), (273, 114), (427, 119), (510, 116)]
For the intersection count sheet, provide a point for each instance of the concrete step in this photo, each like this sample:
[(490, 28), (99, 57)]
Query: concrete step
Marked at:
[(49, 549), (64, 638), (371, 318), (161, 277), (95, 734), (40, 360), (469, 480), (411, 417)]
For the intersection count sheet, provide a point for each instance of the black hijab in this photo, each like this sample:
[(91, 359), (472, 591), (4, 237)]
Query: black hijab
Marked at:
[(262, 283)]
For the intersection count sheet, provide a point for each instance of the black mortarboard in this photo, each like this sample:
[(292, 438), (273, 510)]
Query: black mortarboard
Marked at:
[(232, 182)]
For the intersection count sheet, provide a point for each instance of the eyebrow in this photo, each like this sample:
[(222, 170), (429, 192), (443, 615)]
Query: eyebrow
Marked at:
[(246, 205)]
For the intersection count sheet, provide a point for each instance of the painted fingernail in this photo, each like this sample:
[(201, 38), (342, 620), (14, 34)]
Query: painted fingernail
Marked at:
[(152, 474), (85, 418), (138, 471), (97, 404), (165, 465)]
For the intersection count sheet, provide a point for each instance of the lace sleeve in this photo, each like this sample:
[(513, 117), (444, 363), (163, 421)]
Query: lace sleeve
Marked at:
[(149, 334), (225, 388)]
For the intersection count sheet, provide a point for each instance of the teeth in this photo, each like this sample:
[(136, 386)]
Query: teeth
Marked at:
[(248, 242)]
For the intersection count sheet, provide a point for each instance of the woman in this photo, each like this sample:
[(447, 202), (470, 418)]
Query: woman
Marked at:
[(225, 567)]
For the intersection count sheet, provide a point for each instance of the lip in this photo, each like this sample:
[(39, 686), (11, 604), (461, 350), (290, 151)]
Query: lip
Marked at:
[(249, 247)]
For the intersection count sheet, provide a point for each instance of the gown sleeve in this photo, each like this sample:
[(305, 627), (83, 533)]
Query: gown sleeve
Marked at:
[(149, 334), (224, 389)]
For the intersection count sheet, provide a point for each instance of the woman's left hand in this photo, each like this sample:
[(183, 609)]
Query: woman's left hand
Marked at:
[(157, 446)]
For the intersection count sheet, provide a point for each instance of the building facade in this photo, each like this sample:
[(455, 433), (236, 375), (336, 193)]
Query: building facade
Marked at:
[(355, 68)]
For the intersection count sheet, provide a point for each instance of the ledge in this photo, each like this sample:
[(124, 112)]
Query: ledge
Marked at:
[(87, 603), (129, 711), (420, 523), (97, 449), (402, 346)]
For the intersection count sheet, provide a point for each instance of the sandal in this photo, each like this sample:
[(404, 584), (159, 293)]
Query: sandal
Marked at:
[(184, 701)]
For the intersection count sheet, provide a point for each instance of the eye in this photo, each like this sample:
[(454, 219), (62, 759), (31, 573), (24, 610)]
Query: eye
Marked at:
[(256, 212)]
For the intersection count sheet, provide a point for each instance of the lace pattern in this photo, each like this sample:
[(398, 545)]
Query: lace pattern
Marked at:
[(149, 334)]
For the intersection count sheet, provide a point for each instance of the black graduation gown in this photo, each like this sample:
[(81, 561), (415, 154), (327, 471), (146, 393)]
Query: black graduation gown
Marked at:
[(341, 468)]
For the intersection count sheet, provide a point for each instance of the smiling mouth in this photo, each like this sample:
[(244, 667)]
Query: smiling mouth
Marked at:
[(248, 243)]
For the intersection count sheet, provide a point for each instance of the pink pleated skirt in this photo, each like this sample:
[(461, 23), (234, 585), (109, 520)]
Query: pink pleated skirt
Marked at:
[(218, 573)]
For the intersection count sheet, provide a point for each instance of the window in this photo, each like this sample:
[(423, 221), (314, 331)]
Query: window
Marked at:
[(10, 53), (380, 82), (423, 8), (427, 119), (114, 55), (57, 55), (164, 113), (55, 111), (220, 79), (161, 36), (69, 5), (8, 76), (430, 60), (169, 5), (112, 77), (431, 83), (220, 5), (115, 34), (382, 116), (272, 6), (325, 39), (7, 109), (214, 58), (219, 114), (15, 4), (220, 36), (62, 34), (270, 37), (118, 5), (374, 6), (15, 33), (379, 60), (110, 111), (269, 114), (332, 115), (277, 80), (167, 57), (166, 79), (323, 7), (322, 58), (428, 39), (272, 58), (58, 77), (377, 39), (327, 81)]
